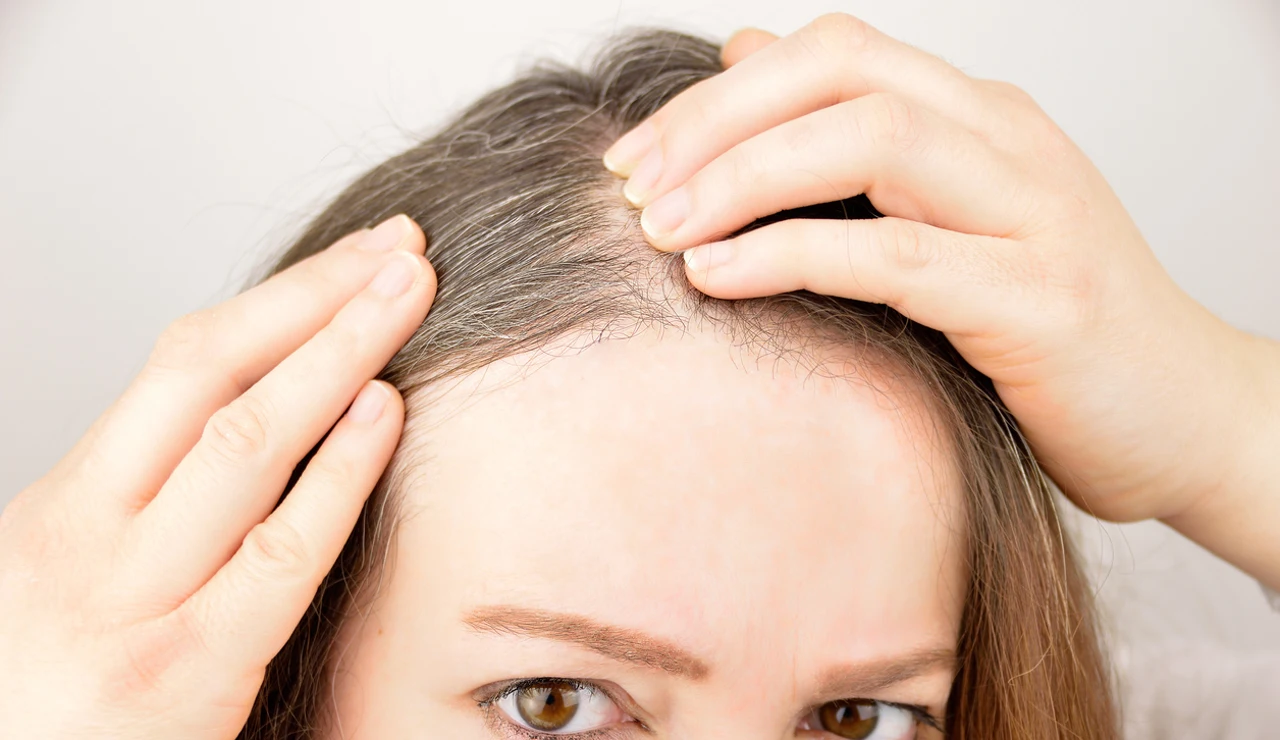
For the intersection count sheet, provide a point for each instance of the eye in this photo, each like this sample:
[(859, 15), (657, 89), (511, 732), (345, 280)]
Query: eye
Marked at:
[(558, 706), (863, 719)]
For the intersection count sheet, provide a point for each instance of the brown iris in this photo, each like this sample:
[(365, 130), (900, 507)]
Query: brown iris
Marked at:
[(854, 719), (547, 705)]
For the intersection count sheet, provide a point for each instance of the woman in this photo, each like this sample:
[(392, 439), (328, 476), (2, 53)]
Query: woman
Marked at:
[(621, 508)]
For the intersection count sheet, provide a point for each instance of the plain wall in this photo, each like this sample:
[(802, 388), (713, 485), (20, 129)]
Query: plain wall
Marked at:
[(152, 153)]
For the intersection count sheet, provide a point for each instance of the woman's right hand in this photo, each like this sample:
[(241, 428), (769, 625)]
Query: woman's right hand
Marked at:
[(1000, 233), (146, 581)]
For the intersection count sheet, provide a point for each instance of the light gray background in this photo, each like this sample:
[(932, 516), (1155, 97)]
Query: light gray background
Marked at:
[(152, 152)]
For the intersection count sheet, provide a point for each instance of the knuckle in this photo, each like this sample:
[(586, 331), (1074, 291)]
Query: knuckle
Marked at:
[(1016, 117), (187, 342), (330, 472), (908, 250), (1048, 140), (800, 135), (841, 32), (853, 124), (858, 247), (30, 554), (896, 123), (240, 431), (35, 538), (738, 171), (276, 550), (1040, 132), (1010, 92), (341, 340)]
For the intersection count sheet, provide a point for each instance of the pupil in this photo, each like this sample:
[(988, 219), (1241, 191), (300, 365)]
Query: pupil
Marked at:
[(549, 705), (850, 719)]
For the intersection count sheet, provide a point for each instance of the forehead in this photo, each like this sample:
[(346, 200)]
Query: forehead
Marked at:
[(674, 486)]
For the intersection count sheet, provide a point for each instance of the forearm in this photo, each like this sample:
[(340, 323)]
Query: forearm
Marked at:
[(1240, 520)]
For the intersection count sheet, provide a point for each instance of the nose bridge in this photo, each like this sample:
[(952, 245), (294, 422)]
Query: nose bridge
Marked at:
[(754, 703), (734, 727), (754, 693)]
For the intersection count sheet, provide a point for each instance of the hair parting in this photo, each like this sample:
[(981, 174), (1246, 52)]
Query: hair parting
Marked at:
[(531, 243)]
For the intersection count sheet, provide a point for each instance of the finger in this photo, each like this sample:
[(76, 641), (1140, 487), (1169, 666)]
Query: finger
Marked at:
[(208, 358), (743, 44), (909, 161), (833, 59), (956, 283), (249, 448), (250, 607)]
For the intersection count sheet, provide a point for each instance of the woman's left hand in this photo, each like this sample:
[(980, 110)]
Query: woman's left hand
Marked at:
[(1000, 233)]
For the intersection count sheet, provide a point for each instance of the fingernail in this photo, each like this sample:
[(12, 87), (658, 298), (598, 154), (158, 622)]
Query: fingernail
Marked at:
[(386, 235), (644, 178), (369, 404), (622, 157), (396, 276), (707, 256), (665, 214)]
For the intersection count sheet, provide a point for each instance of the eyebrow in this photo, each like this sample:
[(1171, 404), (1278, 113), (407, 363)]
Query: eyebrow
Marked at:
[(619, 643), (638, 648), (868, 678)]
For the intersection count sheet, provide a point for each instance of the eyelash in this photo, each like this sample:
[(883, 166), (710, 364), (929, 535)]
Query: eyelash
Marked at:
[(491, 713), (921, 714)]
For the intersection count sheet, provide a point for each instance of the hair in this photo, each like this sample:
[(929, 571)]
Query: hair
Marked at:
[(531, 242)]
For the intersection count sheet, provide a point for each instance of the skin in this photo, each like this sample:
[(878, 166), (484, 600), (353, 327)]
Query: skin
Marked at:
[(145, 581), (790, 528), (1000, 233), (144, 584)]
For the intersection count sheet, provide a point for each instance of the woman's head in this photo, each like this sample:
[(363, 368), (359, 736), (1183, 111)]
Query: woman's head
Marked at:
[(727, 516)]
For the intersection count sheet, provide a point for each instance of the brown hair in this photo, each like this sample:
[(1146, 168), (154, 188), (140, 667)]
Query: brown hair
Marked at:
[(530, 242)]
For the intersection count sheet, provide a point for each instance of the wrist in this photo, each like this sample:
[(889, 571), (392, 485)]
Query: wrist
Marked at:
[(1237, 515)]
